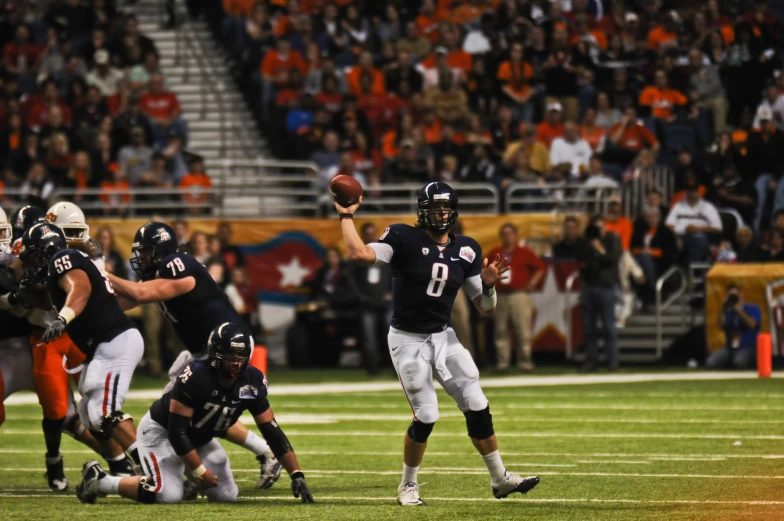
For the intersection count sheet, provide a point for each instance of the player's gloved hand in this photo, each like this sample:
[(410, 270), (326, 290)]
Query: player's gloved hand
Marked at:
[(55, 330), (299, 488), (208, 480)]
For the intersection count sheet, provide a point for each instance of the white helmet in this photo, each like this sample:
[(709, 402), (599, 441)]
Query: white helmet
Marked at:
[(70, 219), (5, 229)]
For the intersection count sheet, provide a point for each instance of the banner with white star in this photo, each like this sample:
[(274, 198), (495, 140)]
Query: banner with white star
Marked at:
[(555, 308)]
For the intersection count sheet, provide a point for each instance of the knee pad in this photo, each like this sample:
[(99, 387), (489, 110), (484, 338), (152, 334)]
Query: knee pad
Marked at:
[(420, 432), (216, 459), (114, 419), (146, 493), (464, 386), (414, 374), (479, 423), (73, 427)]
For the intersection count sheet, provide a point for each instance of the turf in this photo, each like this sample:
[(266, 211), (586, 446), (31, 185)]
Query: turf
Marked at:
[(646, 451)]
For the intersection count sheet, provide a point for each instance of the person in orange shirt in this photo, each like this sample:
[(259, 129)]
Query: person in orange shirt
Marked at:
[(115, 193), (615, 222), (661, 98), (195, 186), (515, 66), (467, 13), (365, 67), (456, 58), (552, 127), (584, 32), (593, 134), (663, 36), (275, 67), (427, 22)]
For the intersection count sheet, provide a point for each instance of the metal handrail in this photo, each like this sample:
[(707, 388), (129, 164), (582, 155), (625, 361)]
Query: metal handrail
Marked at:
[(572, 195), (567, 290), (661, 306)]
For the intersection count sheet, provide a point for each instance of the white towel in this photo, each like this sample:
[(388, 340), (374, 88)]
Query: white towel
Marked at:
[(439, 343)]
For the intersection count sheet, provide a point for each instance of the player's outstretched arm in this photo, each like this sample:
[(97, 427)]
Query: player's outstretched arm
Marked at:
[(281, 448), (179, 420), (152, 291), (357, 250), (77, 287)]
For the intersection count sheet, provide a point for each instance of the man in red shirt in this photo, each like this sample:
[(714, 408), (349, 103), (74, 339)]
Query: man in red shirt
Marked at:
[(514, 304), (275, 67), (628, 138), (163, 109), (21, 57)]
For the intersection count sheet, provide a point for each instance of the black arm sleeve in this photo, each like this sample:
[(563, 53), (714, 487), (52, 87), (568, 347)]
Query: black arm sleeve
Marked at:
[(178, 433), (277, 440)]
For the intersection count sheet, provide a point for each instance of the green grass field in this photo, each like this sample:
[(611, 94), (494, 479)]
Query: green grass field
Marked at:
[(686, 450)]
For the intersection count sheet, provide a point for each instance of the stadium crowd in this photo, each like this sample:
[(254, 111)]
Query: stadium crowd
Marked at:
[(83, 104)]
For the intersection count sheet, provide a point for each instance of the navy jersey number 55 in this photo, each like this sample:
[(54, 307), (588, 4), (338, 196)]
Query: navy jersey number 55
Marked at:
[(426, 277)]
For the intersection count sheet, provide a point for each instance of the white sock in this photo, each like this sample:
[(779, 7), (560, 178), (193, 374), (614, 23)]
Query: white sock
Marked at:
[(109, 484), (120, 457), (495, 466), (409, 474), (255, 444)]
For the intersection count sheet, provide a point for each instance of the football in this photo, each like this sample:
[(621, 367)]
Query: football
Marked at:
[(345, 190)]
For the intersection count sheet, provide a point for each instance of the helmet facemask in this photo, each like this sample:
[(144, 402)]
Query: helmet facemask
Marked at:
[(76, 232), (230, 365), (437, 216), (6, 234), (144, 263)]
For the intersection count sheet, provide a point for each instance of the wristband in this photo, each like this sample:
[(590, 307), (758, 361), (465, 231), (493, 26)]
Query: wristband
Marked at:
[(488, 302), (297, 474), (346, 216), (199, 471), (66, 315), (488, 291)]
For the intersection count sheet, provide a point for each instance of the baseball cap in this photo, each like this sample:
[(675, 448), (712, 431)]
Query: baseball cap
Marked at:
[(441, 50), (632, 17), (101, 57), (554, 106), (764, 113), (614, 198)]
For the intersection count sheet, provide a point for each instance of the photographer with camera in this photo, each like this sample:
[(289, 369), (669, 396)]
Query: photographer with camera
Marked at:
[(741, 323), (599, 252)]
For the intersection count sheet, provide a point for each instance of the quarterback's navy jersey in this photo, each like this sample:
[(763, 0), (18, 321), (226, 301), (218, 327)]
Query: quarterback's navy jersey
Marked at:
[(426, 277), (215, 408), (196, 313), (102, 318)]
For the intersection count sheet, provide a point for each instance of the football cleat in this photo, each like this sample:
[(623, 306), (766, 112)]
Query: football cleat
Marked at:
[(513, 483), (270, 471), (408, 495), (190, 488), (55, 475), (123, 468), (87, 490)]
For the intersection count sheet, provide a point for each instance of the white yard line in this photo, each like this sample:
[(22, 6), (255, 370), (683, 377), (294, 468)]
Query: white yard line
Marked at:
[(10, 493), (633, 407), (512, 381)]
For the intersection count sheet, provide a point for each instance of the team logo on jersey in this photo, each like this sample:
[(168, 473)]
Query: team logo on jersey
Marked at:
[(425, 251), (248, 391), (467, 253), (163, 235), (386, 232)]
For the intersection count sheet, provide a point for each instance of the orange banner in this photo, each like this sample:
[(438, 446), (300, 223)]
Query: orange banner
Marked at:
[(752, 280)]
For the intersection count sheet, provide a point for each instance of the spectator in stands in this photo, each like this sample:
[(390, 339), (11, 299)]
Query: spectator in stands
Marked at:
[(104, 76), (196, 187), (600, 253), (740, 322), (115, 193), (661, 99), (693, 220), (374, 284), (37, 108), (746, 247), (409, 166), (183, 232), (21, 58), (734, 192), (570, 151), (615, 222), (176, 163), (606, 115), (199, 247), (448, 146), (628, 138), (140, 76), (156, 176), (89, 115), (775, 247), (243, 298), (773, 103), (592, 133), (552, 127), (596, 179), (705, 83), (126, 121), (654, 248), (449, 102), (764, 166), (37, 186), (112, 259), (276, 65), (59, 158), (130, 45), (480, 167), (163, 109), (365, 68), (231, 253), (135, 159), (329, 156), (344, 167), (567, 247), (537, 152), (514, 304), (505, 131)]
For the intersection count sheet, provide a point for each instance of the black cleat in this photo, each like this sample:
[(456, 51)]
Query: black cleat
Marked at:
[(123, 468), (87, 490), (55, 475), (513, 483)]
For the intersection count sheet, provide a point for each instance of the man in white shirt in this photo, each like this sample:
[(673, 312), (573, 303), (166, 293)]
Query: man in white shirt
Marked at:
[(772, 108), (104, 76), (692, 219), (571, 149)]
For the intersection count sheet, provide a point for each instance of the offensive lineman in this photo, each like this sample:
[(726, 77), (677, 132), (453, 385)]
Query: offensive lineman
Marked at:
[(193, 302), (179, 430), (429, 266), (88, 309)]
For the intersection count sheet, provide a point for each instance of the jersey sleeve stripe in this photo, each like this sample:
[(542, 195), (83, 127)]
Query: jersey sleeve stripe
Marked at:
[(106, 394)]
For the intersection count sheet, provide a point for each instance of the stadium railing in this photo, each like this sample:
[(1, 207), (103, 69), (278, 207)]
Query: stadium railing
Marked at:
[(662, 304), (636, 190), (565, 197)]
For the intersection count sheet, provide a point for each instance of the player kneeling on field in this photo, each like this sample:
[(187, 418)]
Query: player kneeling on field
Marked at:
[(178, 432)]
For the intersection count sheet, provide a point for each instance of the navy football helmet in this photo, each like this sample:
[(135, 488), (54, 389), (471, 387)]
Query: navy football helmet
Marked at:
[(24, 218), (437, 207), (229, 348), (152, 243), (39, 244)]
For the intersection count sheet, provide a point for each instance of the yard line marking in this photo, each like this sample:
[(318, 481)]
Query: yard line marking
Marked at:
[(392, 500), (474, 471), (488, 383), (686, 459), (9, 432), (614, 462), (629, 407), (632, 395)]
